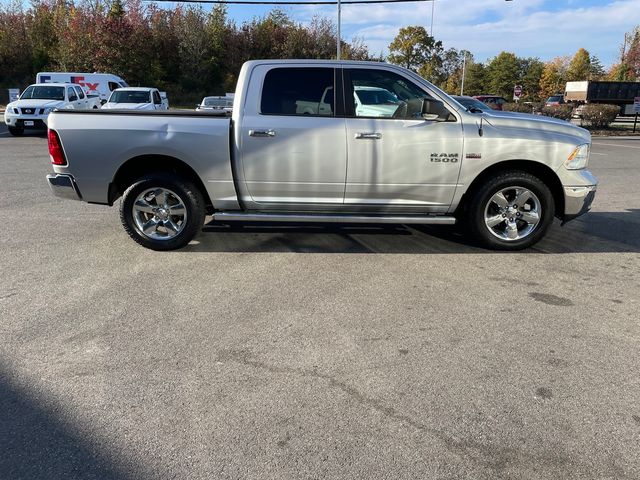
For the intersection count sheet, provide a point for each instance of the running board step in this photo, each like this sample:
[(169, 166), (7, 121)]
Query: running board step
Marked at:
[(335, 218)]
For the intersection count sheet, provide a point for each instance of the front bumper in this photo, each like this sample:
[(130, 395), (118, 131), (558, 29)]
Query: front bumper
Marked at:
[(27, 122), (64, 186), (577, 201)]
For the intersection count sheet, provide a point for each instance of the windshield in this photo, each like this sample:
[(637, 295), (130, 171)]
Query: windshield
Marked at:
[(555, 98), (217, 102), (43, 92), (124, 96), (376, 97)]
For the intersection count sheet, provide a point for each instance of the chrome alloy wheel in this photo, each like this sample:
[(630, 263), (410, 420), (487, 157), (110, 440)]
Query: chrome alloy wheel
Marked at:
[(159, 214), (512, 213)]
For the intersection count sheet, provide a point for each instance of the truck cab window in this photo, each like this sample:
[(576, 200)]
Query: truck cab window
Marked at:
[(113, 86), (298, 91), (382, 94), (71, 94), (80, 93)]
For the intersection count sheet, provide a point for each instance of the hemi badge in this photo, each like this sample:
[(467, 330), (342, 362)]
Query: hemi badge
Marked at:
[(473, 155)]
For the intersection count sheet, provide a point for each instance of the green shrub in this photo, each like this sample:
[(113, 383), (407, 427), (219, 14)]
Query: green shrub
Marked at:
[(599, 116), (563, 112), (518, 107)]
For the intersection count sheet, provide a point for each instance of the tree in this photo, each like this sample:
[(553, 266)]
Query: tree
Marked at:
[(503, 73), (475, 79), (532, 69), (579, 67), (553, 79), (413, 48), (597, 70)]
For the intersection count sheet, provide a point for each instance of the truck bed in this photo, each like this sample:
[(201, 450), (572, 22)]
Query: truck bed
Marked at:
[(99, 143)]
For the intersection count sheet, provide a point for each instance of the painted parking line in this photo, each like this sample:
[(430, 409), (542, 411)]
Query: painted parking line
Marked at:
[(616, 145)]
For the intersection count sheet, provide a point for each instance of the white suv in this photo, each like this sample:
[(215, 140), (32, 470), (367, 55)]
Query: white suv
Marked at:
[(31, 110)]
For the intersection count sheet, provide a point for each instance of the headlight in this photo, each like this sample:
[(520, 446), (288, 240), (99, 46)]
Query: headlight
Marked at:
[(579, 158)]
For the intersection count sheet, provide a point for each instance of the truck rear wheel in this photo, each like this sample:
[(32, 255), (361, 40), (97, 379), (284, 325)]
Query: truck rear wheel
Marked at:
[(161, 212), (16, 132), (511, 211)]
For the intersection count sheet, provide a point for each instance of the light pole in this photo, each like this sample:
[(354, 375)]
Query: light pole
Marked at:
[(433, 6), (464, 67)]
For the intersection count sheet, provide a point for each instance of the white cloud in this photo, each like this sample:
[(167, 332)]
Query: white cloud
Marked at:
[(487, 27)]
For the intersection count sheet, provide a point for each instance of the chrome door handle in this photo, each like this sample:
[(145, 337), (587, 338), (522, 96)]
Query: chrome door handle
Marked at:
[(262, 133), (369, 135)]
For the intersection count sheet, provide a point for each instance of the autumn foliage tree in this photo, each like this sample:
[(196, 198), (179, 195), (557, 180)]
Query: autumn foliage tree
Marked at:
[(187, 51)]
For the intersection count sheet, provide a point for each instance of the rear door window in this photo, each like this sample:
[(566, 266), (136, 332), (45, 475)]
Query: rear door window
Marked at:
[(299, 91)]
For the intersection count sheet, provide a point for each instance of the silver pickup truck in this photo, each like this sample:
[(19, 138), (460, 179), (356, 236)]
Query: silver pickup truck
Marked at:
[(422, 159)]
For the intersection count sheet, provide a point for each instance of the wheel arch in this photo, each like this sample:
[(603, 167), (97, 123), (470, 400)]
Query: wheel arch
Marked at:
[(140, 165), (540, 170)]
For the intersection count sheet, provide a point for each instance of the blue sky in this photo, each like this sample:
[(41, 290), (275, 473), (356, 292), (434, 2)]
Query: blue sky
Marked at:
[(540, 28)]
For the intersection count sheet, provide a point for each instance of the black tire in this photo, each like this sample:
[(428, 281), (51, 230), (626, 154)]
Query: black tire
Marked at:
[(16, 132), (185, 190), (480, 202)]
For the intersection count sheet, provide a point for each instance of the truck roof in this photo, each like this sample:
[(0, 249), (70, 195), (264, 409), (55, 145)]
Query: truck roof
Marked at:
[(252, 63), (54, 84), (135, 89)]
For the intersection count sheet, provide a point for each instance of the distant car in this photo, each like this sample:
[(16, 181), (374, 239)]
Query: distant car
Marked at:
[(375, 101), (494, 101), (554, 101), (216, 105), (135, 98), (32, 109)]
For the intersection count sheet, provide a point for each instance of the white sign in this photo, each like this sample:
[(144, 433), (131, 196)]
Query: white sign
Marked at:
[(636, 105), (14, 94), (517, 92)]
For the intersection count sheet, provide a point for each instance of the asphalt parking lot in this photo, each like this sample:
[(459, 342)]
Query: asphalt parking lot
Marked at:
[(271, 352)]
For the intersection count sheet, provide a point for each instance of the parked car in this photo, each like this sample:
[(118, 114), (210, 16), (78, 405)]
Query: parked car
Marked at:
[(471, 103), (32, 109), (554, 100), (94, 84), (375, 101), (494, 101), (369, 102), (216, 105), (433, 162), (135, 98)]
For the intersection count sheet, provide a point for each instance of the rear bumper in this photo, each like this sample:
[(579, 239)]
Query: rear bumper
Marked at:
[(64, 186)]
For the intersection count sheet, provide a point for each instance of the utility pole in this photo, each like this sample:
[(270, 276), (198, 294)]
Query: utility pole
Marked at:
[(338, 42)]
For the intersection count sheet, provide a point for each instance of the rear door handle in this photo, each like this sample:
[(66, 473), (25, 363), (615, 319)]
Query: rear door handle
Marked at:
[(369, 135), (262, 133)]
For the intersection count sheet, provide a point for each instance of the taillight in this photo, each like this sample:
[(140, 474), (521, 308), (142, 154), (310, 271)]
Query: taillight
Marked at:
[(55, 149)]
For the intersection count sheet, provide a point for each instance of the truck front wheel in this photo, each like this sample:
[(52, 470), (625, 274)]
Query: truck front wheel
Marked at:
[(162, 212), (510, 211)]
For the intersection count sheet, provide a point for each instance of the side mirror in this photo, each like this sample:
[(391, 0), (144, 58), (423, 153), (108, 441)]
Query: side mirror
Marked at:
[(103, 101), (434, 110)]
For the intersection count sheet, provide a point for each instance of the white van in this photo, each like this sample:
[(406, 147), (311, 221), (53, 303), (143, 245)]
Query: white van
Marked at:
[(94, 84)]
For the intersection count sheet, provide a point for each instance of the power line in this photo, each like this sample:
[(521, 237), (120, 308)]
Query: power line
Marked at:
[(285, 2)]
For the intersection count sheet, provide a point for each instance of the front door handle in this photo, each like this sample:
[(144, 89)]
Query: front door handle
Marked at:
[(369, 135), (262, 133)]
